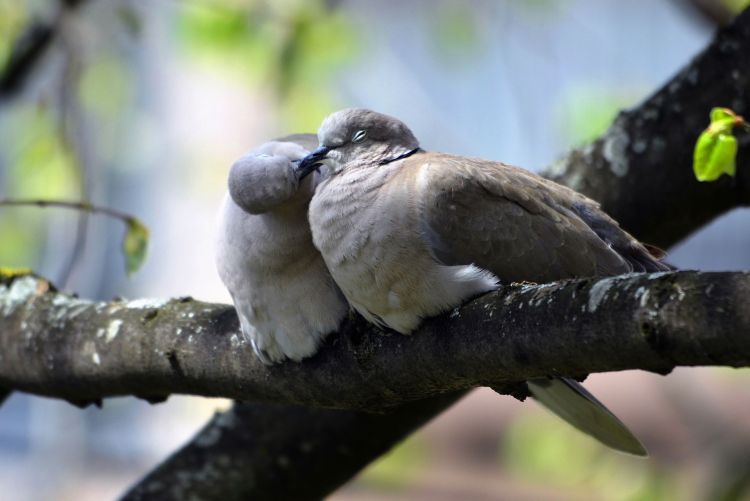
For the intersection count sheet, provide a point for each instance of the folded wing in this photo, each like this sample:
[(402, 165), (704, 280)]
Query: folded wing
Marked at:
[(518, 225)]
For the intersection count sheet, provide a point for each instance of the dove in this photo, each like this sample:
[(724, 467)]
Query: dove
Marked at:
[(408, 234), (284, 295)]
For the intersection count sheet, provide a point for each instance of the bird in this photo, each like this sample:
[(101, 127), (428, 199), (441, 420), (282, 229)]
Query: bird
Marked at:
[(285, 298), (408, 234)]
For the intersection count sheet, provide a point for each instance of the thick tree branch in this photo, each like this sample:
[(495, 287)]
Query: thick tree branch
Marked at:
[(269, 451), (641, 168), (58, 346)]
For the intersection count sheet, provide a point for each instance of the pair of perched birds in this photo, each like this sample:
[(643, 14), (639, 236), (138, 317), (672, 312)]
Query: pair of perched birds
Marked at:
[(371, 220)]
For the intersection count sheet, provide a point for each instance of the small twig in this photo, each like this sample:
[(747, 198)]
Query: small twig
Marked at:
[(134, 243), (82, 206), (29, 49), (27, 52)]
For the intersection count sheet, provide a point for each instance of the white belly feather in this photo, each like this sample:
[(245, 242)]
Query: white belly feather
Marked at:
[(284, 296)]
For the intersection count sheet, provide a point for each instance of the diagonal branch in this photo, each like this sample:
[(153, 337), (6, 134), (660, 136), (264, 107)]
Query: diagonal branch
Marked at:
[(59, 346), (270, 451), (640, 170)]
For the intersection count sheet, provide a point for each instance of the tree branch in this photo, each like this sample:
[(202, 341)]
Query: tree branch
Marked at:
[(267, 451), (29, 50), (712, 12), (59, 346), (640, 170)]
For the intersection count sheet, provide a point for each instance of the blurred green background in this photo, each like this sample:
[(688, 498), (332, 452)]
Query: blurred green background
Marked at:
[(143, 107)]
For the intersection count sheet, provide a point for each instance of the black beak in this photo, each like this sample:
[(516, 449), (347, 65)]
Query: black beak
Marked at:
[(311, 162)]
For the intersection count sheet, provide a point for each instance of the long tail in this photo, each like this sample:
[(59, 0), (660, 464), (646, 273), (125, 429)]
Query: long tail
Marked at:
[(573, 403)]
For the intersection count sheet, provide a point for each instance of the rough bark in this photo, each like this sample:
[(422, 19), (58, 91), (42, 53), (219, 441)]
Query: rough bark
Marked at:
[(268, 451), (640, 170), (55, 345)]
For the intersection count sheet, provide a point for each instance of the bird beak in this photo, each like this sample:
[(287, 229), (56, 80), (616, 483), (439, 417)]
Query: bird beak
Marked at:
[(311, 162)]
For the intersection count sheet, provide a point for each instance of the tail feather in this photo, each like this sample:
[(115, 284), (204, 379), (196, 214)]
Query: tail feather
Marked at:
[(573, 403)]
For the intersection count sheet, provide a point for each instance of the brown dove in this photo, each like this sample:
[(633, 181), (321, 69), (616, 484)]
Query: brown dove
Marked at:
[(408, 234)]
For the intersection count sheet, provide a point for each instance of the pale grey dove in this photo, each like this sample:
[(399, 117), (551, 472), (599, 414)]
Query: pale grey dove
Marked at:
[(408, 234), (284, 296)]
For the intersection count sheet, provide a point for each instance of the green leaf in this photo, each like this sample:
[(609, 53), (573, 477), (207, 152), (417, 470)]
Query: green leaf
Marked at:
[(704, 147), (725, 153), (134, 245), (714, 155), (718, 114), (716, 149)]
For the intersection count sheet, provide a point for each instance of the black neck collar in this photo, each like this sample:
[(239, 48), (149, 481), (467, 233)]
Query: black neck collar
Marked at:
[(404, 155)]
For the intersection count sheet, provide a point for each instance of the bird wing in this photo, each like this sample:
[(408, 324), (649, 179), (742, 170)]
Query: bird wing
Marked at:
[(641, 257), (516, 224)]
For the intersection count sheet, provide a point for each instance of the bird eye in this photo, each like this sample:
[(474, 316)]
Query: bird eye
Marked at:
[(359, 136)]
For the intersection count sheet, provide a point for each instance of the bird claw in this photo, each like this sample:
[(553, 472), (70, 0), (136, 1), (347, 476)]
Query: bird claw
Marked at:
[(261, 353)]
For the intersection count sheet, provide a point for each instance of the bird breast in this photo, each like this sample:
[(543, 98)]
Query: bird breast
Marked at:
[(278, 281), (365, 224)]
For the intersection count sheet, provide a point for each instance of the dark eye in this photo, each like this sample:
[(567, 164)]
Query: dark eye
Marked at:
[(359, 136)]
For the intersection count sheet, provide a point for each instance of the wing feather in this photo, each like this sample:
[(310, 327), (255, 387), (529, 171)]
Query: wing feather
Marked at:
[(518, 225)]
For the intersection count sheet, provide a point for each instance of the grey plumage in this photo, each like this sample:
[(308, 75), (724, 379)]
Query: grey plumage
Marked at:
[(408, 234), (284, 296), (571, 401)]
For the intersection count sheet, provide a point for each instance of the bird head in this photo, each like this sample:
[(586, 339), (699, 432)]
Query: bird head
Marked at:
[(355, 137), (267, 177)]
